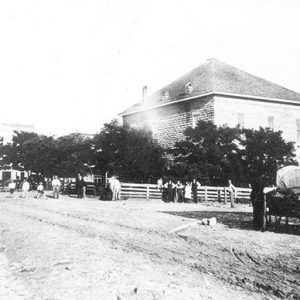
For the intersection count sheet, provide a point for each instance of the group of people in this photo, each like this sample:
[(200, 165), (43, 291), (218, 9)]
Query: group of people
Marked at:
[(80, 186), (188, 192), (25, 187), (179, 192)]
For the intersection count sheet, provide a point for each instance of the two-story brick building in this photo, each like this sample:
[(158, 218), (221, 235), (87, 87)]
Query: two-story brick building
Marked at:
[(220, 93)]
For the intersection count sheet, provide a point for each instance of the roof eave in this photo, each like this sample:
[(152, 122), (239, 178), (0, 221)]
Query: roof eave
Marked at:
[(165, 104), (265, 99)]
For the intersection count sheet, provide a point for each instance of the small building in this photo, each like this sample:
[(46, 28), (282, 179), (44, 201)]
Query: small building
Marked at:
[(223, 94), (12, 174)]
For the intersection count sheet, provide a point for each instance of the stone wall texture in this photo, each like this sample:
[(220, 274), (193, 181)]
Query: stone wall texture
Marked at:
[(169, 122)]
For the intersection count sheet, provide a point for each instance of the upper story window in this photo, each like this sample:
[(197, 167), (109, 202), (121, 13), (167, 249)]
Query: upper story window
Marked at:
[(165, 95), (271, 122), (298, 130), (188, 88), (241, 120)]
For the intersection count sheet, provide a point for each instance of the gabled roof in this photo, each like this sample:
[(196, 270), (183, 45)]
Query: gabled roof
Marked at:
[(215, 76)]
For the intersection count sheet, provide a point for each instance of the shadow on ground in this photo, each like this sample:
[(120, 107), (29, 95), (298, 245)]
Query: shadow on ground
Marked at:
[(237, 220)]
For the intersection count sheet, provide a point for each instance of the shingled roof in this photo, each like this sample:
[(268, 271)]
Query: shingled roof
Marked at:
[(215, 76)]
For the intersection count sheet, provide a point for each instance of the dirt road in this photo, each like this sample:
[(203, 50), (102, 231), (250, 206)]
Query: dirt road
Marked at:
[(89, 249)]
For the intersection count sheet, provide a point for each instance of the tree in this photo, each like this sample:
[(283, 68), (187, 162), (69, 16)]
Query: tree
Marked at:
[(74, 155), (39, 155), (216, 154), (262, 153), (65, 156), (129, 153), (208, 153), (12, 154)]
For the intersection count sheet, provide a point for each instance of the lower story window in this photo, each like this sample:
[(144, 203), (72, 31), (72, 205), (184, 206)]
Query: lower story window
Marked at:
[(271, 122), (298, 130)]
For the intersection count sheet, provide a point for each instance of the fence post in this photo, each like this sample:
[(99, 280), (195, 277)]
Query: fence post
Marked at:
[(225, 194), (147, 192), (205, 193)]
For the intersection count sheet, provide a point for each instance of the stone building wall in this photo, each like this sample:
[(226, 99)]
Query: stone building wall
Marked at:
[(257, 113), (169, 122)]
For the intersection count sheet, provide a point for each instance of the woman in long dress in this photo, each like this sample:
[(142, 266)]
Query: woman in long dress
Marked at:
[(188, 192)]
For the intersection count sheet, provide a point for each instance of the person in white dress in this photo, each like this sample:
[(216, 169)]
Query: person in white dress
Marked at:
[(25, 188), (188, 192)]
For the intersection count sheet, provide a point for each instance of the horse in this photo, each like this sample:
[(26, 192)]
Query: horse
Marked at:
[(115, 187)]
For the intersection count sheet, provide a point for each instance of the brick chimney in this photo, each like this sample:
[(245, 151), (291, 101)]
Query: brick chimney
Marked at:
[(144, 94)]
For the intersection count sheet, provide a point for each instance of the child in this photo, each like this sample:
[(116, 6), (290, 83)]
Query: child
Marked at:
[(12, 187), (40, 190)]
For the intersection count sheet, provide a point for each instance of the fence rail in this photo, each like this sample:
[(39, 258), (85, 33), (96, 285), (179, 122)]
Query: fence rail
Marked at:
[(205, 193)]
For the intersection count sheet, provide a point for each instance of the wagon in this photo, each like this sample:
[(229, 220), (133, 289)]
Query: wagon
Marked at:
[(284, 200)]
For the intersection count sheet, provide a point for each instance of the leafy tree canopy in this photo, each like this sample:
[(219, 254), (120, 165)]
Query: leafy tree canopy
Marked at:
[(215, 154), (262, 153), (46, 155), (130, 153)]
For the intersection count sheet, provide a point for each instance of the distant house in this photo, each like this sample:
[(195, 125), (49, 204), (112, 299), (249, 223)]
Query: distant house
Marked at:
[(7, 130), (220, 93)]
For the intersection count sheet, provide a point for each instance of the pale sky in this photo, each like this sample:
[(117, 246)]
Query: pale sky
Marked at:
[(72, 65)]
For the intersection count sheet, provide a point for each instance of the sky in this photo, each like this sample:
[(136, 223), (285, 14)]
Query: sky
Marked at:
[(72, 65)]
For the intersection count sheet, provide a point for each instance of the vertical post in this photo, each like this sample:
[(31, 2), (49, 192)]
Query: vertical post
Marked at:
[(264, 214), (147, 192), (225, 195), (106, 177), (205, 193)]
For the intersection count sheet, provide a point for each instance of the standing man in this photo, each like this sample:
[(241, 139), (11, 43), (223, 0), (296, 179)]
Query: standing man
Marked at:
[(25, 188), (79, 186), (55, 187), (231, 189), (195, 185), (170, 190), (179, 191)]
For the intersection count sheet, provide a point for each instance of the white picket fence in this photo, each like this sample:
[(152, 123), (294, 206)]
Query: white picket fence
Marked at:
[(205, 193)]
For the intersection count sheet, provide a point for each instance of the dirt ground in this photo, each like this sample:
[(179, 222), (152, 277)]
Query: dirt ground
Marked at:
[(71, 248)]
